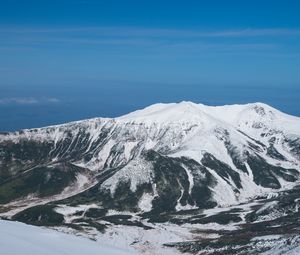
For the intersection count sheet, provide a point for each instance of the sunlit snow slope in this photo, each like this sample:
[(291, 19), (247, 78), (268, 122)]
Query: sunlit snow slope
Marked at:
[(18, 238)]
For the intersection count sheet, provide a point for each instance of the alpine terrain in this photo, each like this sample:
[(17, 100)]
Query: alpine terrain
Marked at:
[(168, 179)]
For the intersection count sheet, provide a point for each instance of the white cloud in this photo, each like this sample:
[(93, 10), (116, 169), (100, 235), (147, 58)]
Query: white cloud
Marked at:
[(27, 100), (131, 35), (120, 31), (53, 100), (228, 40)]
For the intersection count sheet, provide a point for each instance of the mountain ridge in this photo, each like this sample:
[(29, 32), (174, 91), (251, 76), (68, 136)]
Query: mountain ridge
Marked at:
[(151, 165), (230, 107)]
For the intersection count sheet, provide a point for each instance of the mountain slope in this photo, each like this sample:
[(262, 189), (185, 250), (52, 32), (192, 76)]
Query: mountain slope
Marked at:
[(14, 239), (148, 165)]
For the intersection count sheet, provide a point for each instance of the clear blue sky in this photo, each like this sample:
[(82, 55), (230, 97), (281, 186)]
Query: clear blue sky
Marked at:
[(121, 55)]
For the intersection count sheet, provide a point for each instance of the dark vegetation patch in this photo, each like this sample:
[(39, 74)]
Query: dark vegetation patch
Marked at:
[(41, 215), (222, 169), (19, 157), (95, 213), (41, 181), (222, 218), (267, 175), (87, 222), (273, 153)]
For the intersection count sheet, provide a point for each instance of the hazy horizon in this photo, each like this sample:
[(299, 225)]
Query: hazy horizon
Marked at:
[(37, 108)]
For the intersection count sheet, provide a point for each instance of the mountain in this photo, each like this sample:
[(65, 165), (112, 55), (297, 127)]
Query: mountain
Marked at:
[(182, 172)]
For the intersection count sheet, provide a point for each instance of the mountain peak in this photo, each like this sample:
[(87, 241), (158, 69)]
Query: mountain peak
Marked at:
[(187, 111), (167, 112)]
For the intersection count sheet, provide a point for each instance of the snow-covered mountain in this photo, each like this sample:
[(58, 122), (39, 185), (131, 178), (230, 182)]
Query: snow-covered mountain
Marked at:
[(148, 165)]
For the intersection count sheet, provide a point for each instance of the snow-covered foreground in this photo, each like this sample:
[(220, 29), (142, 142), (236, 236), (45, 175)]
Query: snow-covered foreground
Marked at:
[(18, 238)]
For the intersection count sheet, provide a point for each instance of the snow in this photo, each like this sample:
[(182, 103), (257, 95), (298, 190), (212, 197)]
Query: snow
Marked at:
[(211, 226), (167, 113), (239, 116), (82, 181), (235, 115), (266, 238), (69, 211), (145, 203), (176, 130), (129, 146), (283, 246), (18, 238), (293, 251), (102, 157), (136, 172), (223, 193), (65, 209), (146, 242), (190, 178)]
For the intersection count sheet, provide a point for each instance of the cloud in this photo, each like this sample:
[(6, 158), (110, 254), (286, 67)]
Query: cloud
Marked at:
[(52, 100), (27, 100), (121, 31), (130, 35), (18, 100), (162, 39)]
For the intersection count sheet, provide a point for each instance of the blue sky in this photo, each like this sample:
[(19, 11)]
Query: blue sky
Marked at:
[(79, 59)]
